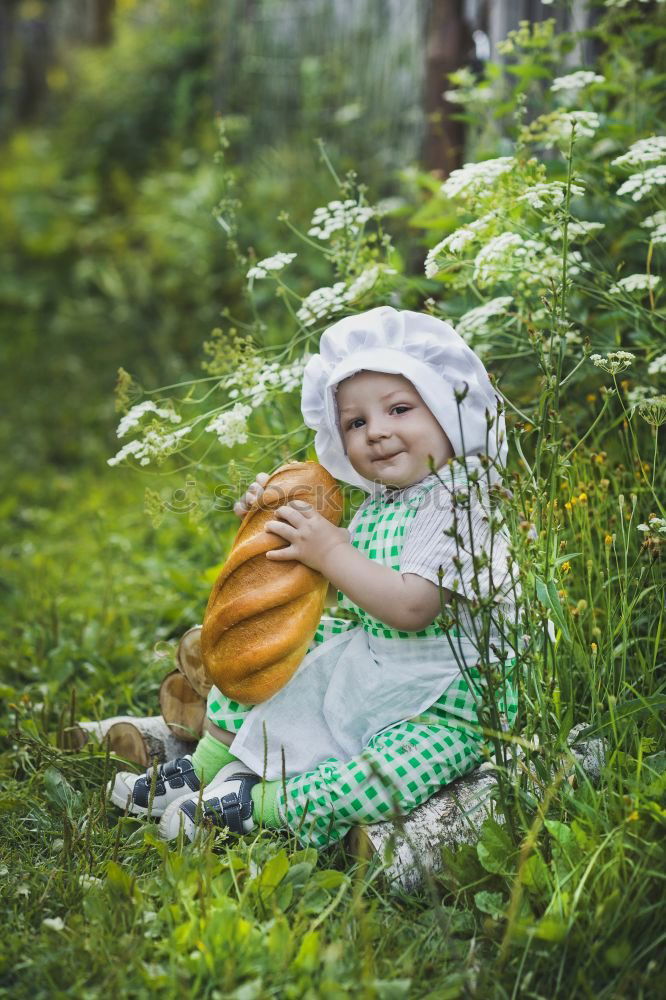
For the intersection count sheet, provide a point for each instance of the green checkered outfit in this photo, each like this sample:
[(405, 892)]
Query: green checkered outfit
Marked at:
[(400, 765)]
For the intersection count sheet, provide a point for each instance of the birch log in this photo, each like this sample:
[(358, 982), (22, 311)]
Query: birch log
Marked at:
[(453, 816), (189, 662), (138, 740), (183, 709)]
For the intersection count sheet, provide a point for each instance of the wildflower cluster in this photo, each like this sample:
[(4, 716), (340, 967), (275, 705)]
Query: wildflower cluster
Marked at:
[(657, 225), (156, 445), (340, 215), (573, 82), (642, 184), (550, 195), (476, 320), (651, 150), (133, 417), (230, 426), (325, 302), (613, 363), (658, 365), (257, 384), (655, 525), (473, 178), (269, 265), (653, 410), (555, 127), (635, 283)]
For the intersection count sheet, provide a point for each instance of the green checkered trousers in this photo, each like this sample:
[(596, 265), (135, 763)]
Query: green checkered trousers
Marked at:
[(404, 764), (400, 767)]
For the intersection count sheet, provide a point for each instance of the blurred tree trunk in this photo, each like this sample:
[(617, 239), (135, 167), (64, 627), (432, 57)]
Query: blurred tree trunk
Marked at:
[(448, 46), (101, 22)]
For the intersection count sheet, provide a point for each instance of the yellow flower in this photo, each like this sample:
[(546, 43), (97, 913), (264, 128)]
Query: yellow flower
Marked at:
[(591, 397), (608, 540), (566, 566), (582, 498), (593, 647), (569, 505)]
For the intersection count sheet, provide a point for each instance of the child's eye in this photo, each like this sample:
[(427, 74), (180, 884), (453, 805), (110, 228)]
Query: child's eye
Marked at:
[(401, 407)]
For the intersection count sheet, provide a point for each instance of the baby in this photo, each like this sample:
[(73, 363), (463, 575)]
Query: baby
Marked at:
[(383, 710)]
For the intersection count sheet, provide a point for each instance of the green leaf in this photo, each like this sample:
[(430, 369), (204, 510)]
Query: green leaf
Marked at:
[(273, 872), (547, 594), (535, 874), (59, 792), (492, 903), (494, 848)]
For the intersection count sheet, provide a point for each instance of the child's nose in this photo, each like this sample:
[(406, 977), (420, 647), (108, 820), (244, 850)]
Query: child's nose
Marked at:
[(376, 427)]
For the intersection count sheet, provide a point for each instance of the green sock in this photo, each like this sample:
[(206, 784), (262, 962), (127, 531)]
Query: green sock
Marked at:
[(265, 799), (210, 757)]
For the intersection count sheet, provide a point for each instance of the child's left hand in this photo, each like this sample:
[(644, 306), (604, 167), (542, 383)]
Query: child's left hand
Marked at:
[(311, 537)]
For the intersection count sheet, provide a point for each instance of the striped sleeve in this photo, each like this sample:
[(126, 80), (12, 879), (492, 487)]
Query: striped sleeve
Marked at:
[(467, 538)]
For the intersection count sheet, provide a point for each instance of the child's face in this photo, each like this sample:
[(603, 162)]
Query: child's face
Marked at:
[(388, 430)]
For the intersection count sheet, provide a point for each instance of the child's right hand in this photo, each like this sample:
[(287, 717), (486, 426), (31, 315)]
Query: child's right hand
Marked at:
[(242, 506)]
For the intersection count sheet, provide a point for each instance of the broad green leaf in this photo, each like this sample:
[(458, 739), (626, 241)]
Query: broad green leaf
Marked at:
[(492, 903), (547, 594), (494, 847)]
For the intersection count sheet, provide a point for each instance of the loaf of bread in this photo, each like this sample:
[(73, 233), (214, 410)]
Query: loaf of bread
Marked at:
[(262, 614)]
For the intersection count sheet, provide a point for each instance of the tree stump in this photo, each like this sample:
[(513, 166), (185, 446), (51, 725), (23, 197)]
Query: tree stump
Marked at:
[(136, 740), (183, 709), (189, 662)]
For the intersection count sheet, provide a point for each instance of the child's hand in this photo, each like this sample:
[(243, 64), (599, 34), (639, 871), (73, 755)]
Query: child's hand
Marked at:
[(242, 506), (311, 537)]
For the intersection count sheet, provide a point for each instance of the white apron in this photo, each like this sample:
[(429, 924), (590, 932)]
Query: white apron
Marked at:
[(356, 683)]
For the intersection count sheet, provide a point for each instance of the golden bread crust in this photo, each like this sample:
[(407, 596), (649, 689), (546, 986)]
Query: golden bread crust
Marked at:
[(261, 614)]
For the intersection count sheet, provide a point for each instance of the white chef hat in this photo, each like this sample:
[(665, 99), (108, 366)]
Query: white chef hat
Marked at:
[(423, 349)]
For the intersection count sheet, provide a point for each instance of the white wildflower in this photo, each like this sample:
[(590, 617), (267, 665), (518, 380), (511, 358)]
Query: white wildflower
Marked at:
[(475, 321), (650, 150), (550, 195), (132, 418), (657, 366), (656, 524), (576, 81), (641, 184), (653, 410), (495, 260), (657, 225), (156, 445), (577, 229), (264, 267), (230, 426), (366, 280), (613, 363), (456, 241), (559, 126), (54, 923), (473, 95), (635, 283), (322, 303), (340, 215), (473, 178), (638, 394)]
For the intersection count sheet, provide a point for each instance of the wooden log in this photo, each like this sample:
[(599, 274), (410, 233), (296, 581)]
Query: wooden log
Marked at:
[(183, 709), (189, 662), (453, 816), (138, 740)]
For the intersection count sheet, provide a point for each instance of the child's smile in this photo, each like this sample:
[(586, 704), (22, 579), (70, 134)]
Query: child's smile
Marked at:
[(387, 429)]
